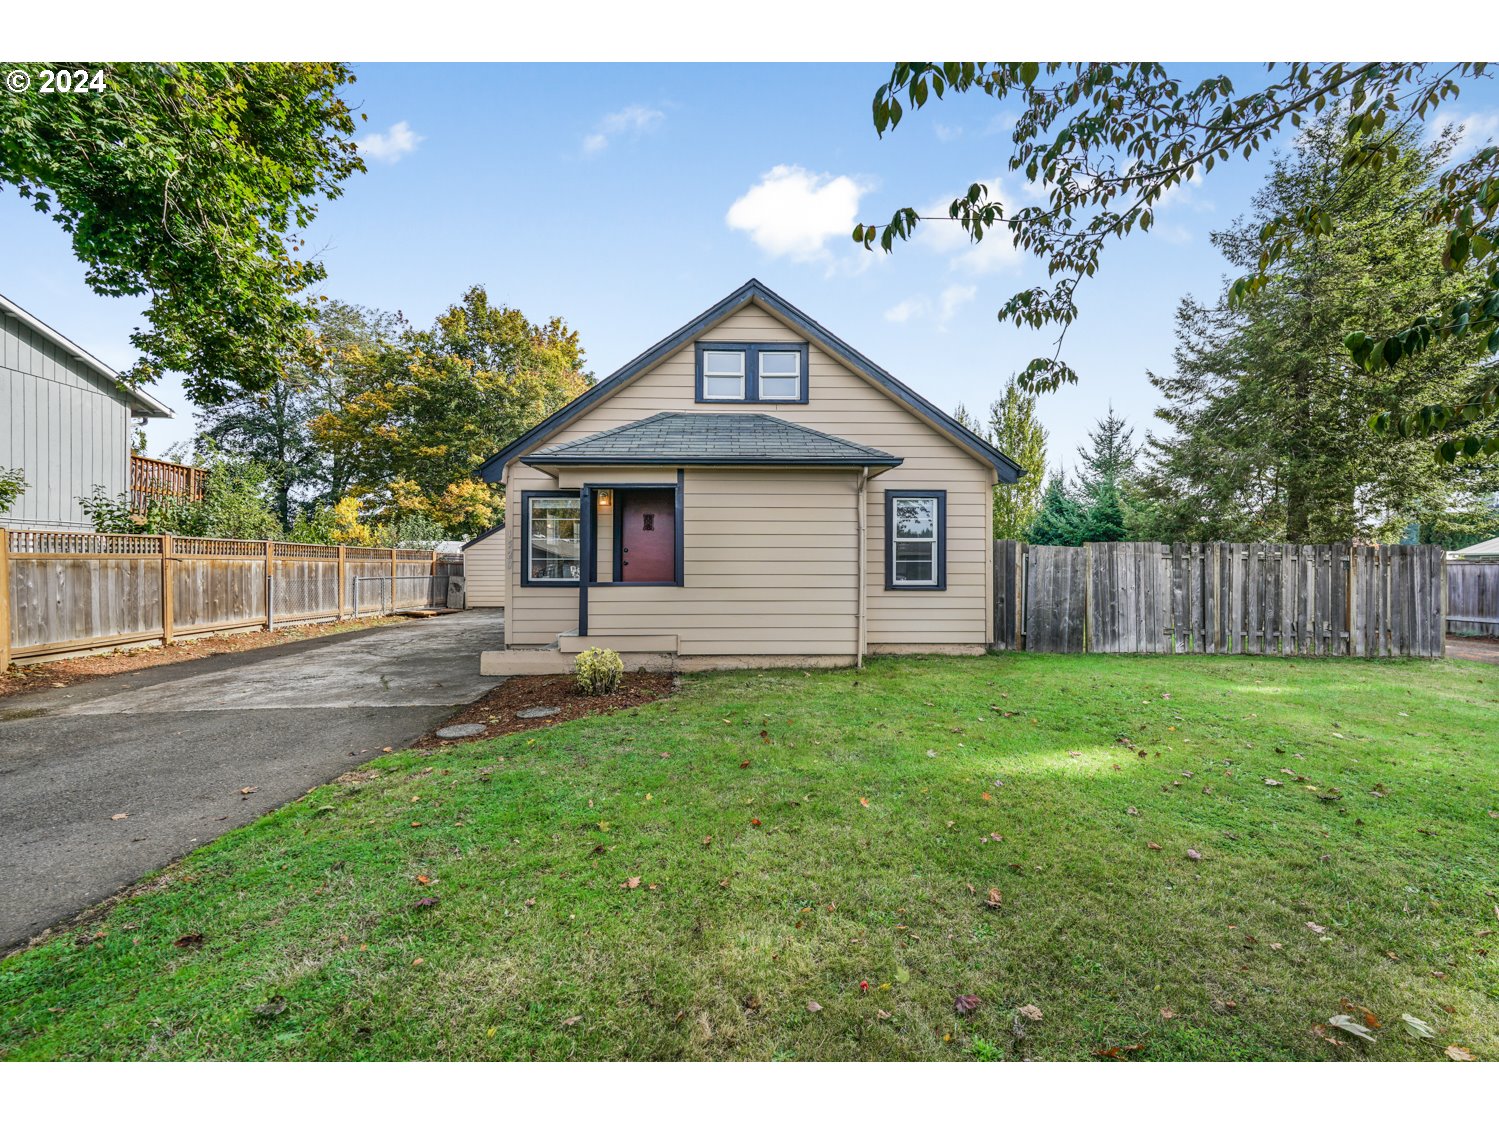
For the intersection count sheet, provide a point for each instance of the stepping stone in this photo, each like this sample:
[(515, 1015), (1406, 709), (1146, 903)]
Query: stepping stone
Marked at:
[(462, 730), (538, 712)]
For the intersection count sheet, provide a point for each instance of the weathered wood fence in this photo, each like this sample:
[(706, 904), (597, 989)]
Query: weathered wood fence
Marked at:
[(1211, 598), (64, 592), (1473, 598)]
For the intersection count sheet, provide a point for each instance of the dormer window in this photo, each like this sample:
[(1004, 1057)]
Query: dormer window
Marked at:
[(751, 372)]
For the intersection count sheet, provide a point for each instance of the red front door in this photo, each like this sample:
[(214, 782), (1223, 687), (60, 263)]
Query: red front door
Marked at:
[(649, 536)]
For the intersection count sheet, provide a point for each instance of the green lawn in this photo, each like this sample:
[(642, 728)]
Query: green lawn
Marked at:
[(534, 949)]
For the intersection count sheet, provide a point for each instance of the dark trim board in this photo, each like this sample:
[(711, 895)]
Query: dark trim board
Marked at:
[(891, 495), (493, 469), (752, 353)]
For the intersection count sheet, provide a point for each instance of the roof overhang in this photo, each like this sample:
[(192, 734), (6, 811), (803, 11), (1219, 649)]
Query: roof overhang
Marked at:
[(141, 404), (752, 292)]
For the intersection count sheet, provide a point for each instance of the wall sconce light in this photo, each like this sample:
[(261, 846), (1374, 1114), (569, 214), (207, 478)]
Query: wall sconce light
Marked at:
[(606, 500)]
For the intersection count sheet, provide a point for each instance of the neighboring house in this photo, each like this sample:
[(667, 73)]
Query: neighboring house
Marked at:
[(64, 421), (1486, 551), (752, 491), (484, 570)]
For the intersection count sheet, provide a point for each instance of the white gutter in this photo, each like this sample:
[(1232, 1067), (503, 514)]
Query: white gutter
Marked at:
[(860, 494), (141, 403)]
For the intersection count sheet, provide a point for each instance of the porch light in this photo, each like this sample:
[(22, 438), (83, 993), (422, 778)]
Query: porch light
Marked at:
[(606, 499)]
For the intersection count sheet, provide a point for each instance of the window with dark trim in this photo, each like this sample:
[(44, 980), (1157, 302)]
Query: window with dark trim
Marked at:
[(551, 538), (751, 372), (915, 539)]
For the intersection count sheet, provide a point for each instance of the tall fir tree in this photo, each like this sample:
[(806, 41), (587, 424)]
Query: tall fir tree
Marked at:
[(1270, 416), (1061, 520)]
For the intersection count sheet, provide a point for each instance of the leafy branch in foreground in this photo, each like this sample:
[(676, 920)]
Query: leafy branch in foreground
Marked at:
[(190, 184), (1108, 141)]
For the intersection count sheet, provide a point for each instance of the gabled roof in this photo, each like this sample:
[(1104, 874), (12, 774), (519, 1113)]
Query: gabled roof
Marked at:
[(669, 438), (141, 404), (753, 291), (482, 535)]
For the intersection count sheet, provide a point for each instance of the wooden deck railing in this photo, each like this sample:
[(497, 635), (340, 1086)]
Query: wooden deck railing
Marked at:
[(152, 479)]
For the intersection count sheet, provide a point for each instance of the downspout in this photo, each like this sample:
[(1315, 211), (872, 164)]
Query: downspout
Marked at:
[(860, 493)]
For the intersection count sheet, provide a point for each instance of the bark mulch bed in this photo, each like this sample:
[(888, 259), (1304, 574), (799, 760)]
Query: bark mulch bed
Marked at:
[(496, 711), (64, 672)]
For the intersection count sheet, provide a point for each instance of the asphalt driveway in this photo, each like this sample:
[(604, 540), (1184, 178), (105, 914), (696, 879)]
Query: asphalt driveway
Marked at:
[(171, 747)]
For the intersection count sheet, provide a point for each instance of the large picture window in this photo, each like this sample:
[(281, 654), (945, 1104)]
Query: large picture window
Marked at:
[(553, 538), (915, 540)]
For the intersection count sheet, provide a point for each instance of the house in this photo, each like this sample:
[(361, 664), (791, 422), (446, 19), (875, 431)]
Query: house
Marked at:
[(1486, 551), (750, 491), (65, 423)]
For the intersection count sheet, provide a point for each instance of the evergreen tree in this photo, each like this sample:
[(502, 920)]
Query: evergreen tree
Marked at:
[(1270, 415), (1060, 521), (1016, 431)]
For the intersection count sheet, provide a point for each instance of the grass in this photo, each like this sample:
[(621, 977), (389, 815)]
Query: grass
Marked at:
[(534, 950)]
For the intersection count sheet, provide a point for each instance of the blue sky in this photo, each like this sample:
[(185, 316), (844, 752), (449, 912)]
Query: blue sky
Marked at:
[(627, 198)]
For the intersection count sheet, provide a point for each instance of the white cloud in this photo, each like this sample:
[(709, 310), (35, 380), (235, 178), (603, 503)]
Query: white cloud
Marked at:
[(1478, 129), (396, 142), (792, 212), (939, 311), (632, 120), (947, 133)]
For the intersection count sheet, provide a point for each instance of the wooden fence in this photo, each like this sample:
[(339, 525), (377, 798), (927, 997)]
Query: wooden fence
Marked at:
[(1473, 598), (64, 592), (1256, 598)]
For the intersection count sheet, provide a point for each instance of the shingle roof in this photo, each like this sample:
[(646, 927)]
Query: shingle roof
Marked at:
[(670, 438)]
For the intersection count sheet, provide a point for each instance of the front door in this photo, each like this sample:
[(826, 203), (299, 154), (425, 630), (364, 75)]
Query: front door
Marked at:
[(649, 536)]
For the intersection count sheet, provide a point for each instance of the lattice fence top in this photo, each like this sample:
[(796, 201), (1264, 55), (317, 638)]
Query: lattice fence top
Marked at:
[(81, 542), (305, 550), (366, 554), (220, 548)]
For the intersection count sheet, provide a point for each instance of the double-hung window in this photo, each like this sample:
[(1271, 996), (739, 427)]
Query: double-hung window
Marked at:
[(780, 376), (915, 540), (724, 376), (553, 538), (752, 372)]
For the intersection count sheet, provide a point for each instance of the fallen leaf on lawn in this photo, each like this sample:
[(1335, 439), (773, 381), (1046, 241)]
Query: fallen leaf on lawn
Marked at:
[(863, 801), (1194, 855), (1438, 974), (966, 1004), (1321, 1032), (271, 1007), (530, 901), (1031, 1011), (1457, 1053), (754, 823), (120, 816), (1391, 955), (189, 940), (1371, 1020), (1167, 1013), (1272, 782), (724, 883), (813, 1006), (1417, 1028), (984, 796), (1349, 1025), (1118, 1052), (629, 884), (1314, 927), (879, 1014), (1153, 846), (995, 899), (1277, 946), (744, 764), (1131, 811), (426, 903), (423, 879), (572, 1021), (707, 841), (418, 962)]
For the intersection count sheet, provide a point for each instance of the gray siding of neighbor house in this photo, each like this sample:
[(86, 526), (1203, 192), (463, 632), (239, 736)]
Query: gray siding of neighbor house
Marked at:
[(66, 426)]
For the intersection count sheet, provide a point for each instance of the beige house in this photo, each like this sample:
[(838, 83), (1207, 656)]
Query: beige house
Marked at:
[(750, 491)]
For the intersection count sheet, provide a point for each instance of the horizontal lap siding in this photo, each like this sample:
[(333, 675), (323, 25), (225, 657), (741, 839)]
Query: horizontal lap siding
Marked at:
[(743, 527), (484, 573)]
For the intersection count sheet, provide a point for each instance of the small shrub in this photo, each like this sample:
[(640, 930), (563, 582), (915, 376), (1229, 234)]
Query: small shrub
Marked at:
[(599, 671)]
